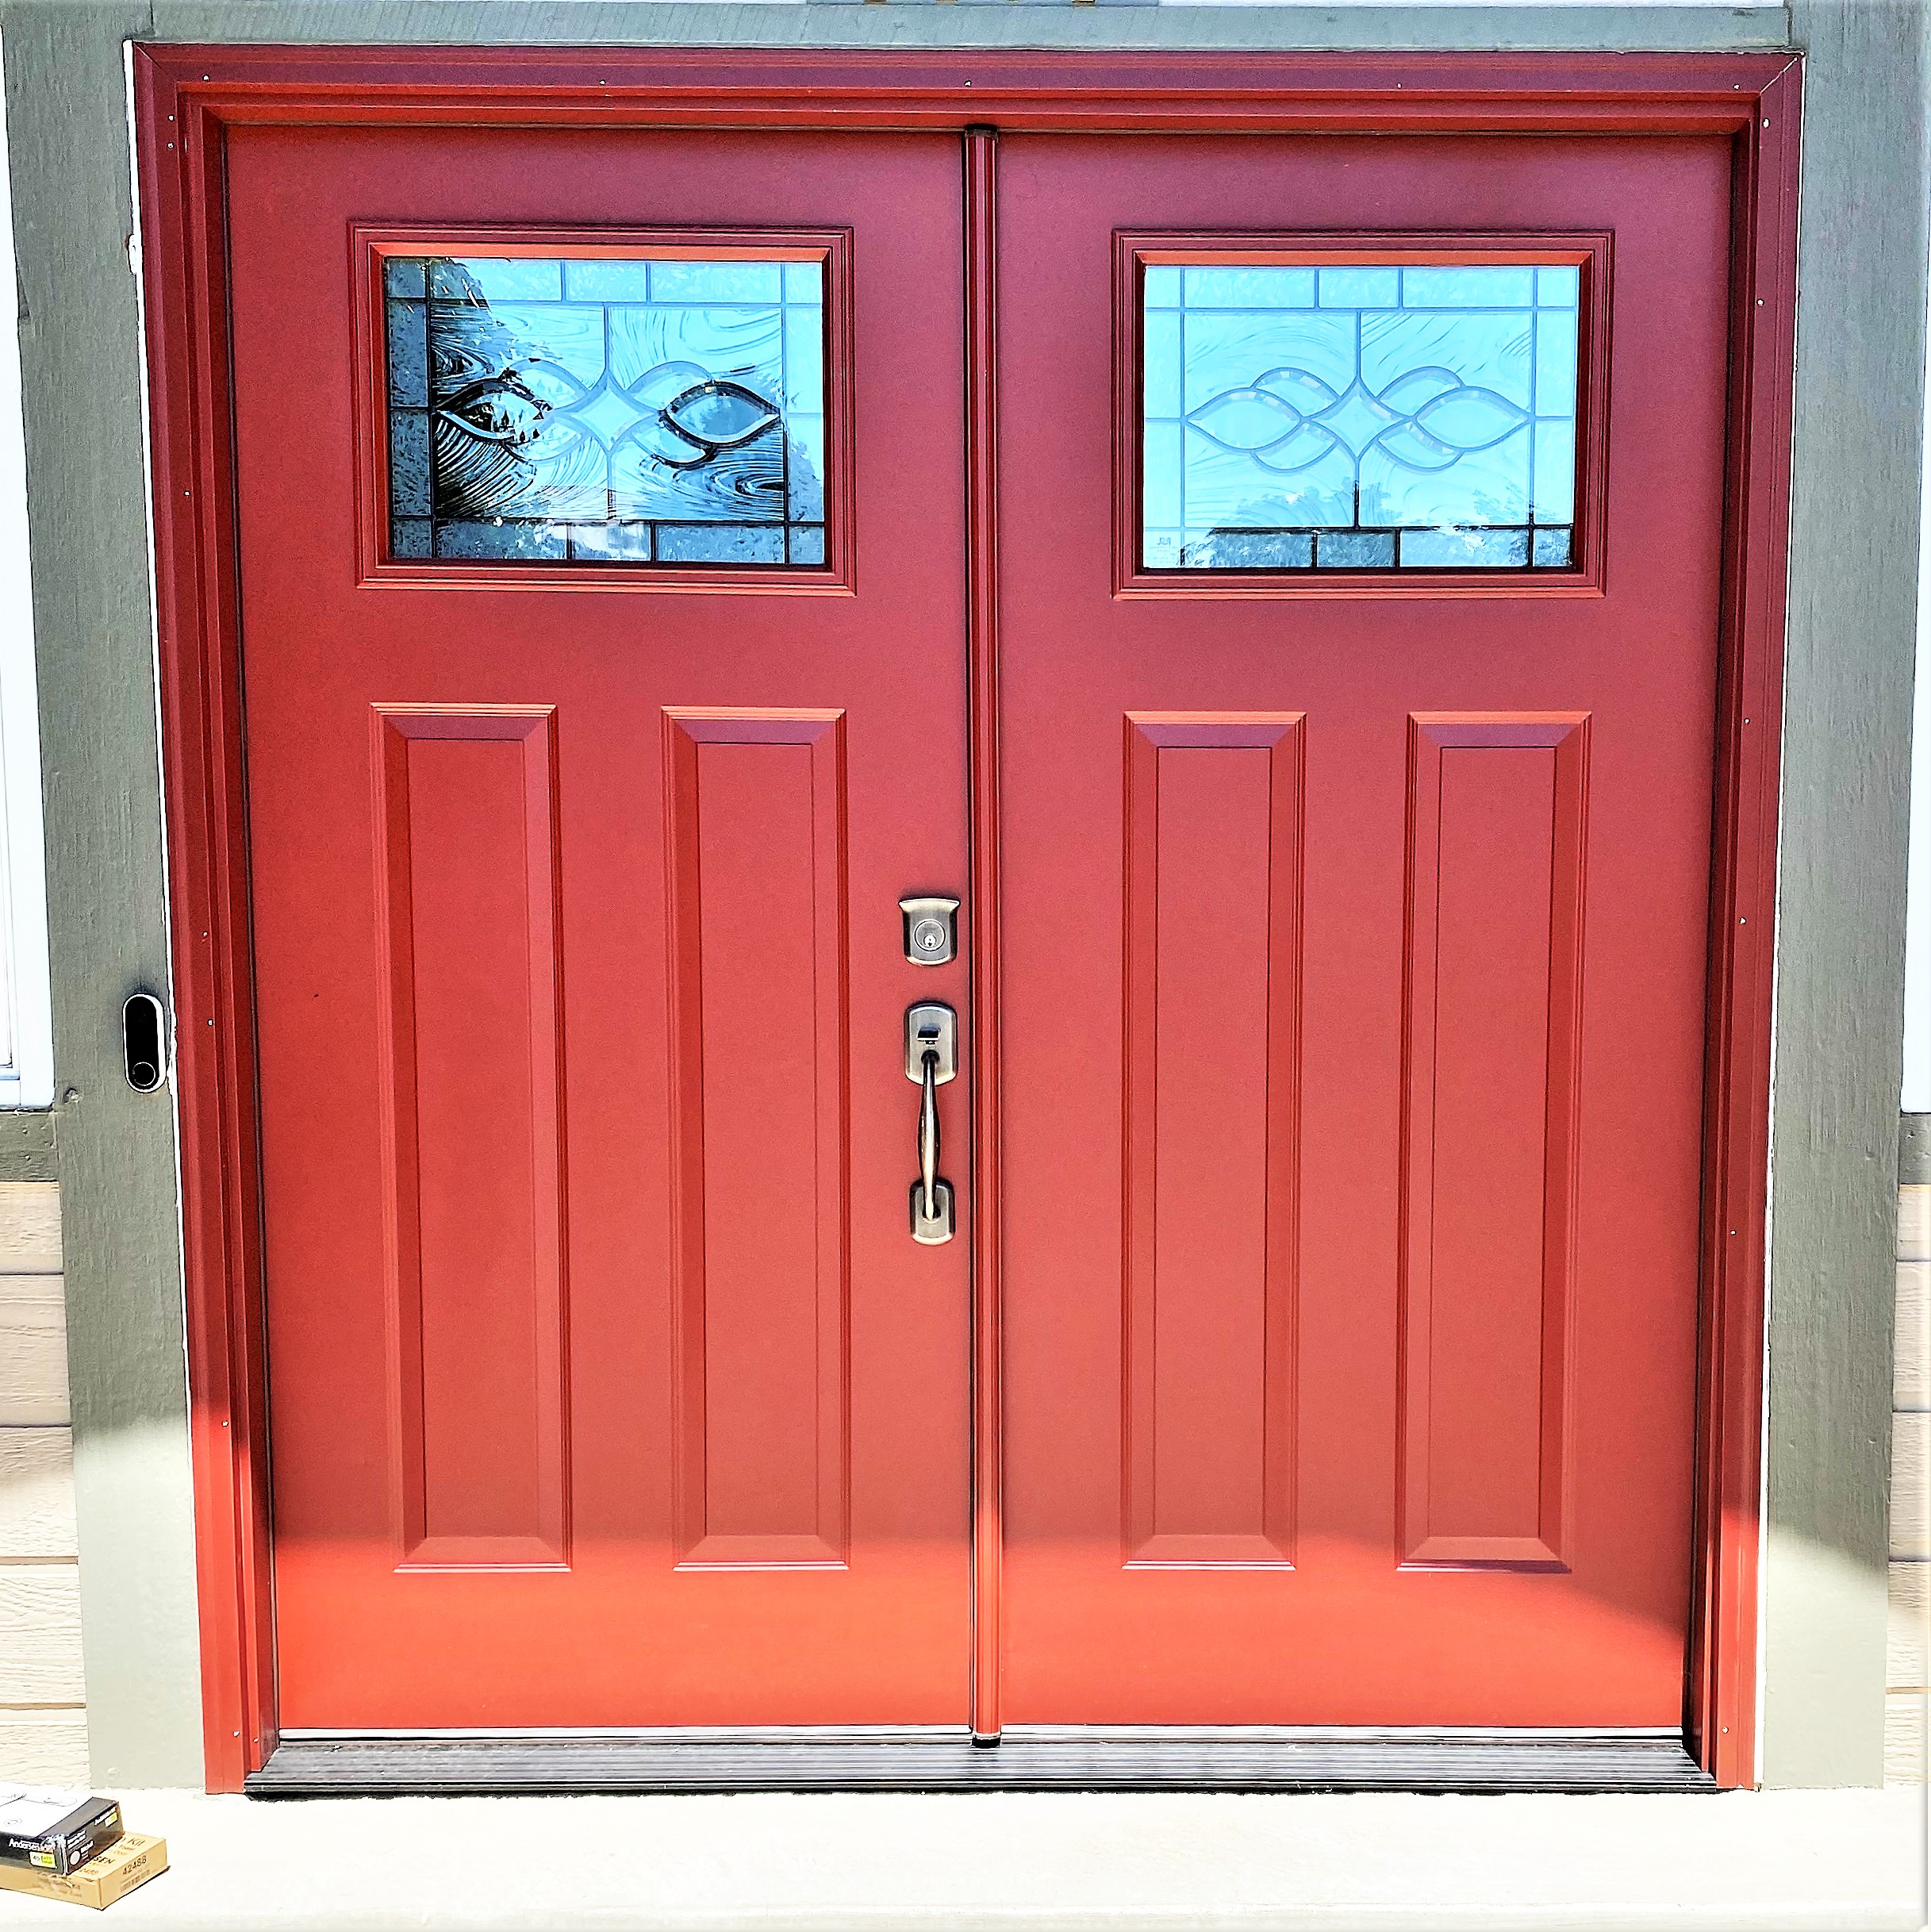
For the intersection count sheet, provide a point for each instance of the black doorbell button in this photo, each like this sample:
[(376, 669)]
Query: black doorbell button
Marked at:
[(144, 1036)]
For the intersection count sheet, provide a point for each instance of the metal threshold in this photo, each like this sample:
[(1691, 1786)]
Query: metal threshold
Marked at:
[(1027, 1757)]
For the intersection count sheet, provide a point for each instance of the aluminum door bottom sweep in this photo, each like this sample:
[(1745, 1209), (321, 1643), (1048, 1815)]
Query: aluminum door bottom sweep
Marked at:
[(1028, 1757)]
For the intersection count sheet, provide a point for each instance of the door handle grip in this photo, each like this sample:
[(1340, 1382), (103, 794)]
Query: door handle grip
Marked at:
[(928, 1135), (931, 1058)]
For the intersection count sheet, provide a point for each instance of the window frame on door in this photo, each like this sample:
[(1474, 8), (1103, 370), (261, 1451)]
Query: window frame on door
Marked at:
[(187, 98), (1590, 252), (371, 245)]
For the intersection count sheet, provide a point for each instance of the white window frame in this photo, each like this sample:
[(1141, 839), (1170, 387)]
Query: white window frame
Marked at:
[(26, 996), (1916, 1095)]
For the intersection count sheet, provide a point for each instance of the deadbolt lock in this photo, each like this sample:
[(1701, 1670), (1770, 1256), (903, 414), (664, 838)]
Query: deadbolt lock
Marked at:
[(931, 930)]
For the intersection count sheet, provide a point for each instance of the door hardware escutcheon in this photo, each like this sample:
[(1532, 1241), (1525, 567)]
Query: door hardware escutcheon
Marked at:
[(931, 1059), (931, 1026), (931, 930)]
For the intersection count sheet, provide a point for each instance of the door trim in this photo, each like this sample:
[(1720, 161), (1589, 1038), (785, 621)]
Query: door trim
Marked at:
[(1029, 1757), (187, 98)]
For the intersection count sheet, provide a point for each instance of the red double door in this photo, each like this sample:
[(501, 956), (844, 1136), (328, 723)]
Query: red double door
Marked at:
[(1352, 973)]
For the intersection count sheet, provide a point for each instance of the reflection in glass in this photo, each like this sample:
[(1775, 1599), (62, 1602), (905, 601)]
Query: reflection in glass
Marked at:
[(606, 412), (1358, 418)]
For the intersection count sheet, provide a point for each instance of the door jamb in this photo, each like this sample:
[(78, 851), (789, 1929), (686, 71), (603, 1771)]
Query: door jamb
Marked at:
[(187, 97)]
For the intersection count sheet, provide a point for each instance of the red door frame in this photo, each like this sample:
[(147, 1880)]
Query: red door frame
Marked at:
[(186, 99)]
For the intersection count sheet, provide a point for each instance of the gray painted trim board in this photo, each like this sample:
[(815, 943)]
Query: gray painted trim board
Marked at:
[(1850, 656), (1861, 347), (28, 1147), (1914, 1143), (832, 23), (87, 524)]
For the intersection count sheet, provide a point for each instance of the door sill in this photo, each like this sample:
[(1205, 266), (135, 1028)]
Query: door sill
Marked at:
[(1027, 1757)]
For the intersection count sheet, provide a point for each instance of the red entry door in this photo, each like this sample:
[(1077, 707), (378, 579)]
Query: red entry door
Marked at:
[(600, 569), (1355, 914), (601, 572)]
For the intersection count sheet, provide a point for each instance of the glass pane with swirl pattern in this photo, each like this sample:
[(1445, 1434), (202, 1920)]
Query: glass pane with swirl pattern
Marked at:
[(605, 411), (1358, 418)]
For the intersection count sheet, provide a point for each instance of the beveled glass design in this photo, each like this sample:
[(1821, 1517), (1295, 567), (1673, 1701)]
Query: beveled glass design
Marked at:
[(605, 411), (1358, 418)]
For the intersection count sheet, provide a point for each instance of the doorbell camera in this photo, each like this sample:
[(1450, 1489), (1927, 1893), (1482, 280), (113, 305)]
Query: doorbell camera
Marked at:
[(931, 930), (144, 1037)]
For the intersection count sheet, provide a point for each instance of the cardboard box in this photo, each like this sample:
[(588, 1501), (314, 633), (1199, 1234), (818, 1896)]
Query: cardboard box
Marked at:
[(55, 1831), (133, 1861)]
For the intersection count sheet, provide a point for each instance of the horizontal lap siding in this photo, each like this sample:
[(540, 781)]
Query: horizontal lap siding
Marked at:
[(42, 1724), (1910, 1496)]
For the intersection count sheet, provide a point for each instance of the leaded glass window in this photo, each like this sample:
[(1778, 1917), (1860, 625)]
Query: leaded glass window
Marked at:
[(1361, 417), (606, 410)]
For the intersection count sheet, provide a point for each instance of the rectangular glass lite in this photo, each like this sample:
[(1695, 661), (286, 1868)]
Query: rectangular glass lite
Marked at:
[(1358, 418), (605, 411)]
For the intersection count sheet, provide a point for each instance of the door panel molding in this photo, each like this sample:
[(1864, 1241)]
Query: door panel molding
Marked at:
[(497, 1497), (759, 984), (1214, 816), (188, 97), (1511, 1000)]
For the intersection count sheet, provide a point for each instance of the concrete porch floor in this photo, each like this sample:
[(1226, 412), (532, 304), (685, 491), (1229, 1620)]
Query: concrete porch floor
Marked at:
[(1809, 1862)]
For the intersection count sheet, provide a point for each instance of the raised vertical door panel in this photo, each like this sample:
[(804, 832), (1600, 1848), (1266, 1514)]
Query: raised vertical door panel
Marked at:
[(467, 912), (1213, 817), (758, 994), (1493, 1008)]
